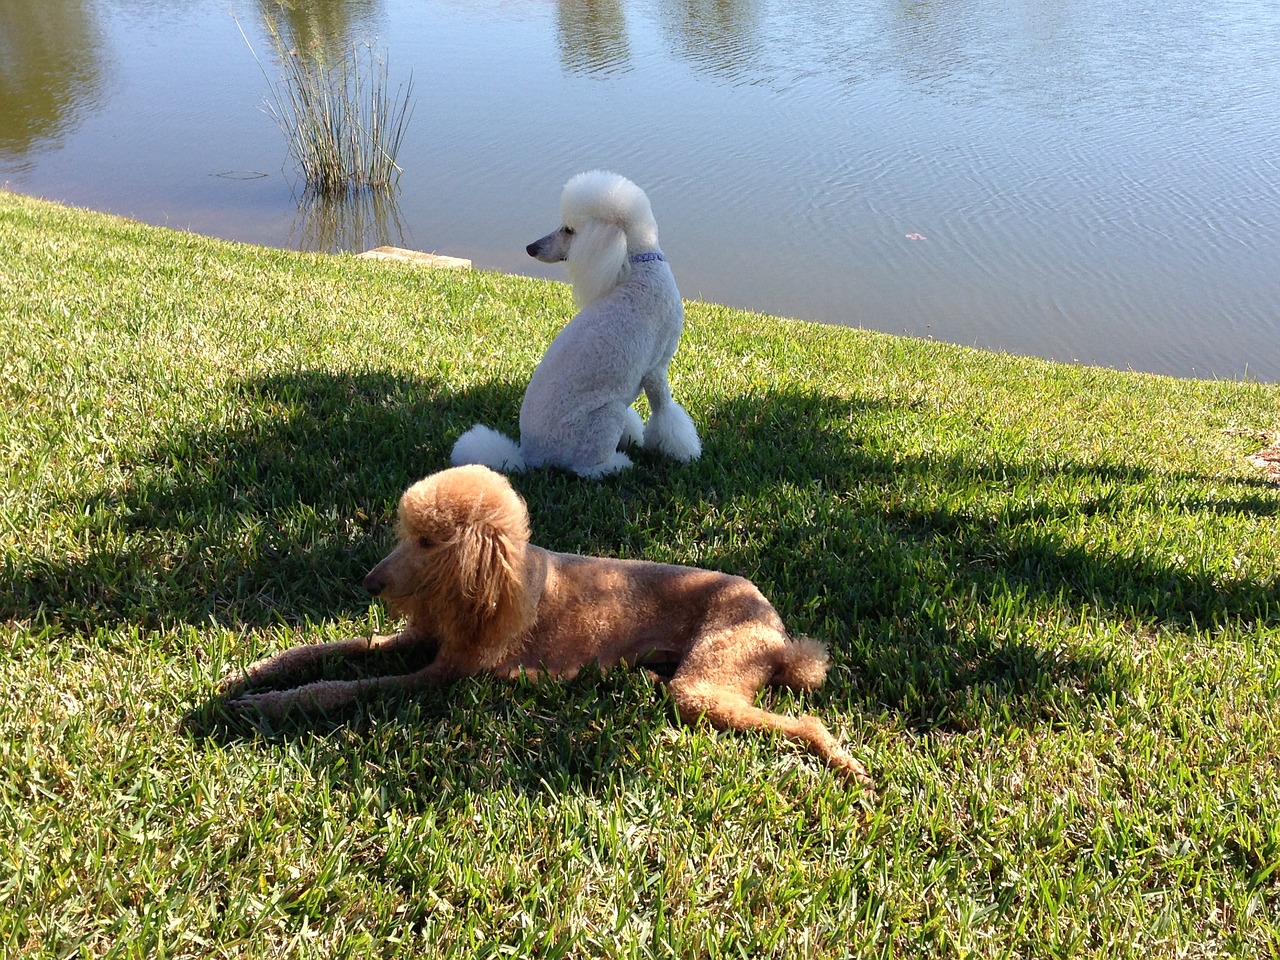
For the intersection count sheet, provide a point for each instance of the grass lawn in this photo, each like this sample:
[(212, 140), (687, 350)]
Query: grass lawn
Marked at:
[(1052, 594)]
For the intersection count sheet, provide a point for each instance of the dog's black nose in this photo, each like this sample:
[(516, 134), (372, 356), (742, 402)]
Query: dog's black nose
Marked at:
[(532, 249), (374, 585)]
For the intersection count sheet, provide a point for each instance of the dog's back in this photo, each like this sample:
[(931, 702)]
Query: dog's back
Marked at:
[(600, 360)]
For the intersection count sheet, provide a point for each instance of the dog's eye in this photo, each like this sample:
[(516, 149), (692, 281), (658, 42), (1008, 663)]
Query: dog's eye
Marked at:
[(424, 542), (568, 231)]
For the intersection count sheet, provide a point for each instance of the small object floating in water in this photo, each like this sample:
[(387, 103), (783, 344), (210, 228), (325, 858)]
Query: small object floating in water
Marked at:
[(916, 236), (241, 175)]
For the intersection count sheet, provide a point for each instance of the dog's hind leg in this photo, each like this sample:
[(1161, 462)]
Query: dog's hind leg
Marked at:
[(615, 463), (727, 709), (596, 441), (721, 673)]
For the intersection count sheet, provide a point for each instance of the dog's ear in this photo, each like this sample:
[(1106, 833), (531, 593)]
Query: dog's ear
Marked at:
[(490, 569), (486, 566), (597, 260)]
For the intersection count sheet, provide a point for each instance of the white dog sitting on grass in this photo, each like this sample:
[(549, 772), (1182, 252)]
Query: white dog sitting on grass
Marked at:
[(577, 412)]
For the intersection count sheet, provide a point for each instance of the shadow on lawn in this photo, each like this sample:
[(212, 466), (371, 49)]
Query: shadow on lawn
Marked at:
[(272, 520), (932, 565), (908, 565), (477, 734)]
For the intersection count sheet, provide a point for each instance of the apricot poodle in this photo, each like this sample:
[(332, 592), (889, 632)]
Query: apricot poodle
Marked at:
[(474, 588)]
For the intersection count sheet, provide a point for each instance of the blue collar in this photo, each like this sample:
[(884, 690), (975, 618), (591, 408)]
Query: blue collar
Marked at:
[(646, 257)]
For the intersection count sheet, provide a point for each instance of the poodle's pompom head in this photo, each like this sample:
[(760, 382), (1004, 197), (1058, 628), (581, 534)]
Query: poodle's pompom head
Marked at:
[(459, 564), (460, 500), (609, 218), (612, 199)]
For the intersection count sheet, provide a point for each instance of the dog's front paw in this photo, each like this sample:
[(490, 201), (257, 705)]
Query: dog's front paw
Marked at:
[(231, 684), (670, 431)]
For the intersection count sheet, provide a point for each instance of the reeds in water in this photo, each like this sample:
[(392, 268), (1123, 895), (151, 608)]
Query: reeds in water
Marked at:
[(343, 125), (354, 221)]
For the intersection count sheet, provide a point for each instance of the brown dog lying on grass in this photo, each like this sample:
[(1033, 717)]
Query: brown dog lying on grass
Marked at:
[(472, 586)]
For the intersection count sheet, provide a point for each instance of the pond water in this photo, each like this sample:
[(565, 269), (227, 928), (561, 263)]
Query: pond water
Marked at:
[(1096, 181)]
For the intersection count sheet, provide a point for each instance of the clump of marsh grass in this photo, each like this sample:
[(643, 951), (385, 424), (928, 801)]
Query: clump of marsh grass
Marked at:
[(343, 125)]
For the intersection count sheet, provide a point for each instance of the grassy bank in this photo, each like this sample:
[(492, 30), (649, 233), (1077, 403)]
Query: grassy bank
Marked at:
[(1051, 592)]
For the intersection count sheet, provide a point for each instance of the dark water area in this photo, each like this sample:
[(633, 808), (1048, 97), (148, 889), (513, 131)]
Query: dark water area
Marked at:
[(1096, 182)]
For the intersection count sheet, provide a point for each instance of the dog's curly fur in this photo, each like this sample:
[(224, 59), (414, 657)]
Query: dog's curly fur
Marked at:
[(577, 411), (472, 586)]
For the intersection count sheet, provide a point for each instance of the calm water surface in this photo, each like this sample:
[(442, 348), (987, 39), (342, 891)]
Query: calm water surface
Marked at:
[(1096, 181)]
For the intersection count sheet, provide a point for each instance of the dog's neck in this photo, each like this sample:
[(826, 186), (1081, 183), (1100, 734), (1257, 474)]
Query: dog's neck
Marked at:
[(646, 257)]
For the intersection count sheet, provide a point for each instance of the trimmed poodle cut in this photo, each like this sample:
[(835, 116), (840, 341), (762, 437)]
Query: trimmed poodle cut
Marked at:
[(473, 588), (577, 412)]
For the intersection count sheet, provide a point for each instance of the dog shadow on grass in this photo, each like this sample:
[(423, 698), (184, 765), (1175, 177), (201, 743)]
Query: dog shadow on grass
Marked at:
[(940, 582), (935, 579), (270, 519), (479, 734)]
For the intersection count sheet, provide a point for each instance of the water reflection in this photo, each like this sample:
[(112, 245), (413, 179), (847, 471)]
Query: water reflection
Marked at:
[(50, 67), (593, 36), (317, 28), (348, 223), (718, 36)]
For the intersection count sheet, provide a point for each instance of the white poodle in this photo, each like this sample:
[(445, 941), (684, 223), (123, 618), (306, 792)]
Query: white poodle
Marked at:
[(577, 411)]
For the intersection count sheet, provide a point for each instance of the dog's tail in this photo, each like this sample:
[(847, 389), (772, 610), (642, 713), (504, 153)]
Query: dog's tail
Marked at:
[(804, 664), (488, 447)]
